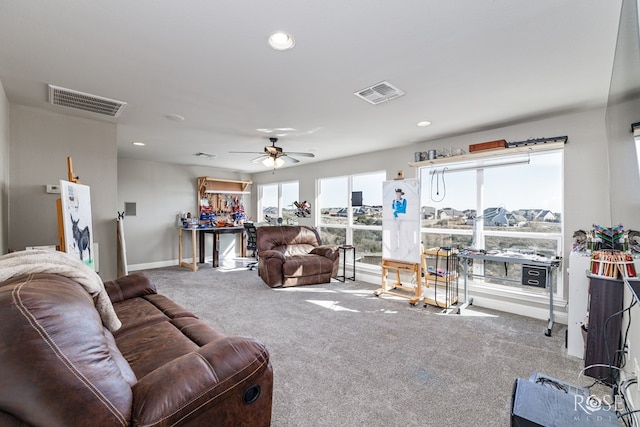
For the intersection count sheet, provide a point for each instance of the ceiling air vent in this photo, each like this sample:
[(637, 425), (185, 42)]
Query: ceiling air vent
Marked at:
[(205, 155), (84, 101), (379, 93)]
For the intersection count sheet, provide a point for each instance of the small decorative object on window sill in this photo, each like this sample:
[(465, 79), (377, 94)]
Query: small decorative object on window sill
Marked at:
[(303, 209)]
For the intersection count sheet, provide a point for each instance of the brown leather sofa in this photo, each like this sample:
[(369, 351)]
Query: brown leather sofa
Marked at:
[(59, 366), (294, 255)]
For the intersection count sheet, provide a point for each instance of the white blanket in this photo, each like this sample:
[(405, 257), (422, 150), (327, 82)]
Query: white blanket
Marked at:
[(42, 261)]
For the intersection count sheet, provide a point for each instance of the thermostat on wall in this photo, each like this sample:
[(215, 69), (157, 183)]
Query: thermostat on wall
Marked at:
[(53, 188)]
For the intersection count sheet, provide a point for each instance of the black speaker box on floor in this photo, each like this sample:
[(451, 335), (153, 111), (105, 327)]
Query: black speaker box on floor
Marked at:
[(537, 405)]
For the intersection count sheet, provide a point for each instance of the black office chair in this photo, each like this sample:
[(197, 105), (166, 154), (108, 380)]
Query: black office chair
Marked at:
[(251, 243)]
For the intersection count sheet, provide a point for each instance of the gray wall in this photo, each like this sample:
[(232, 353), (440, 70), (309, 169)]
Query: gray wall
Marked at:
[(40, 143), (160, 192), (4, 171)]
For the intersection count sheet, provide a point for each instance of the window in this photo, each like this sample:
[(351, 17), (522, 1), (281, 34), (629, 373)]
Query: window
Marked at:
[(277, 201), (333, 200), (515, 207), (342, 222)]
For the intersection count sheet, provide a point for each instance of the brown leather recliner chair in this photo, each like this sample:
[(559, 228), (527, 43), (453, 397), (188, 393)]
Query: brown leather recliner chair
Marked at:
[(294, 255)]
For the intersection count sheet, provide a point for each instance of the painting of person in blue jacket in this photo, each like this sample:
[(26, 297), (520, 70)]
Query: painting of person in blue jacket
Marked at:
[(401, 220), (399, 205)]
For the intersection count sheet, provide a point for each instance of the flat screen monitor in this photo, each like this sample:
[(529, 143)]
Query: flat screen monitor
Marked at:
[(356, 198)]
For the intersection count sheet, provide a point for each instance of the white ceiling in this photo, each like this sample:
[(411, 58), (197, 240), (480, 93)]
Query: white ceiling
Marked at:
[(465, 65)]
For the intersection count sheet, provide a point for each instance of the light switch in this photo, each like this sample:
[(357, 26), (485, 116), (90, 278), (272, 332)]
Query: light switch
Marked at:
[(53, 188)]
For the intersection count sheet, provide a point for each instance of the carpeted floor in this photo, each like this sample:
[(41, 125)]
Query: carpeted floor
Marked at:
[(344, 357)]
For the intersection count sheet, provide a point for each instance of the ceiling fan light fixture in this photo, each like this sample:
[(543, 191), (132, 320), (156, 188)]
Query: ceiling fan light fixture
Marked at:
[(281, 41), (272, 162)]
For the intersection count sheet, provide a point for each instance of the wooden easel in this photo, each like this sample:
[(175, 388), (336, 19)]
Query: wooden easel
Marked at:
[(71, 178), (401, 266)]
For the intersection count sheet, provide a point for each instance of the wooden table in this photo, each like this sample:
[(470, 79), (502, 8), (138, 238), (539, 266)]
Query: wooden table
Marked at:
[(199, 241), (217, 231)]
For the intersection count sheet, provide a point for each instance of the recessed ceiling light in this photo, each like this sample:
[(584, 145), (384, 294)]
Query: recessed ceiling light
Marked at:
[(138, 143), (424, 123), (281, 41), (174, 117)]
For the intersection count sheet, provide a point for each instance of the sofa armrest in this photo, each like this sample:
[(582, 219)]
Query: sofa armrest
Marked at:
[(130, 286), (229, 377), (330, 252)]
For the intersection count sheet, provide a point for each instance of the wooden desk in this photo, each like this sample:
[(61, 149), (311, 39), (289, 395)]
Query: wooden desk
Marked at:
[(217, 231), (200, 232)]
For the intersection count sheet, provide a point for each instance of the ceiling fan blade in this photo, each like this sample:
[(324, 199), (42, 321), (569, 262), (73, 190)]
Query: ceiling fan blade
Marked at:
[(259, 159), (288, 159), (245, 152), (301, 154)]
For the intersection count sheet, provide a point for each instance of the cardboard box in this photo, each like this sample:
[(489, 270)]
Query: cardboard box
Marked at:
[(491, 145)]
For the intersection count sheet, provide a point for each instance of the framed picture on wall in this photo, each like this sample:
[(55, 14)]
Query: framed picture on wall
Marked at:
[(401, 220), (76, 221)]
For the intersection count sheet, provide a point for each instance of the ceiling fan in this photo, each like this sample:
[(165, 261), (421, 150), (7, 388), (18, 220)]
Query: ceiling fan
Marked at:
[(274, 156)]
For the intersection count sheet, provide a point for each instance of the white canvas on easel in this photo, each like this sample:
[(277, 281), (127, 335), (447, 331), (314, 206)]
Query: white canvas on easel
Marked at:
[(401, 221), (76, 221)]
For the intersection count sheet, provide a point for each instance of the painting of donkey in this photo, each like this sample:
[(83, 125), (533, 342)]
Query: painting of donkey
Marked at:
[(81, 237)]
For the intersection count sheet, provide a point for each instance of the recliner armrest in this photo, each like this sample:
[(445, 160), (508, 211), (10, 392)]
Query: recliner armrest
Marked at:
[(271, 253), (130, 286), (217, 379), (330, 252)]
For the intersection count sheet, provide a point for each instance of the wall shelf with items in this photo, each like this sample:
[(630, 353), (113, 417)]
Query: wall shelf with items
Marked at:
[(221, 201), (479, 156)]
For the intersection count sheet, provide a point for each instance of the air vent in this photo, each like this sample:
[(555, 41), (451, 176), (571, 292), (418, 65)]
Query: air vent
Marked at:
[(206, 155), (84, 101), (379, 93)]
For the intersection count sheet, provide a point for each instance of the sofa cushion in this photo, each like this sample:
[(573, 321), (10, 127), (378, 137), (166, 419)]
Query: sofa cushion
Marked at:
[(118, 358), (306, 265), (153, 345)]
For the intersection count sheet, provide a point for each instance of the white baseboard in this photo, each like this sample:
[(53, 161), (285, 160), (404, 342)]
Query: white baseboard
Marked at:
[(159, 264), (150, 265)]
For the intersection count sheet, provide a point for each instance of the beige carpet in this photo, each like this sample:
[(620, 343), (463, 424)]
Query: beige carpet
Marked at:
[(344, 357)]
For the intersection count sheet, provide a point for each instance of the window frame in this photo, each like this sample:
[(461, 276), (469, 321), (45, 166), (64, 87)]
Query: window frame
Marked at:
[(349, 227), (280, 206), (479, 162)]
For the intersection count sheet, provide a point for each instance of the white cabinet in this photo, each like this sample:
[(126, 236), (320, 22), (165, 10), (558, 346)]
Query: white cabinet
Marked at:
[(578, 301)]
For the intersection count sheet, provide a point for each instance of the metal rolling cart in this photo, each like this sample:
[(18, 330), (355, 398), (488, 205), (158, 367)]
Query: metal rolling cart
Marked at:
[(440, 270), (536, 271)]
